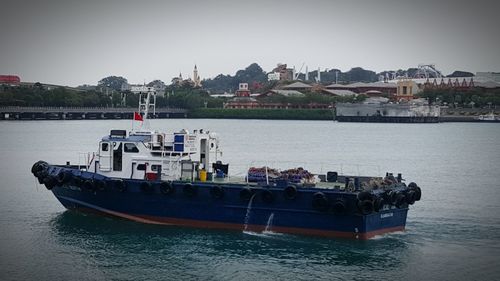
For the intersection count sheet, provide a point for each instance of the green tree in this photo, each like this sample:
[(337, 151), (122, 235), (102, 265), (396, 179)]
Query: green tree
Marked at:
[(157, 83), (113, 82), (358, 74)]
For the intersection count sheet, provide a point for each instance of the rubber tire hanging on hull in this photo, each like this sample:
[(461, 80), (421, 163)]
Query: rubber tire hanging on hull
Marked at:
[(166, 188), (410, 197), (217, 191), (290, 192), (246, 193), (320, 202), (400, 200), (189, 190), (64, 177), (364, 195), (378, 203), (146, 187), (120, 184), (100, 185), (339, 206), (89, 185), (50, 182), (365, 207), (267, 196), (418, 193)]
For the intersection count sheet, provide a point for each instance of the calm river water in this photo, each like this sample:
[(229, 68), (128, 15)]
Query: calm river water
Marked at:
[(452, 234)]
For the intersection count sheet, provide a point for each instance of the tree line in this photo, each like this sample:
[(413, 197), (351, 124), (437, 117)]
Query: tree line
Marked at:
[(463, 98)]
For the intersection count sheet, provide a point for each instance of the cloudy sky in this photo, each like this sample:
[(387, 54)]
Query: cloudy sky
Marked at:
[(79, 42)]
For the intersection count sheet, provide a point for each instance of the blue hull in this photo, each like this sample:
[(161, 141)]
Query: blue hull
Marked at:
[(196, 204)]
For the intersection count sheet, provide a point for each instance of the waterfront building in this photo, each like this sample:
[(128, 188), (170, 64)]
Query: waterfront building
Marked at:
[(370, 89), (406, 89), (298, 86)]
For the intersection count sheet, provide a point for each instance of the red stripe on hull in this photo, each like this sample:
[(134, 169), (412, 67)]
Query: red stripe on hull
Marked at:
[(239, 227)]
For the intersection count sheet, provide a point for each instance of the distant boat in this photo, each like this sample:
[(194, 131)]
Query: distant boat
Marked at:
[(490, 117)]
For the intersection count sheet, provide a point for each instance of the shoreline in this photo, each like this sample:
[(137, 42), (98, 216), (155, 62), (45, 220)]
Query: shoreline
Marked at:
[(55, 113)]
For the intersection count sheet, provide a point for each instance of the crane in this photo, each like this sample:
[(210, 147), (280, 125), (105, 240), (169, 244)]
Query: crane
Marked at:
[(296, 75)]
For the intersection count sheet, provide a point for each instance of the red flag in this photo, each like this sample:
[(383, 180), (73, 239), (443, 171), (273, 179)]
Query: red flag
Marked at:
[(137, 116)]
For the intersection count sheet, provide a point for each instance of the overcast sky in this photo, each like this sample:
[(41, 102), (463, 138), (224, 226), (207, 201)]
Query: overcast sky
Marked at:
[(79, 42)]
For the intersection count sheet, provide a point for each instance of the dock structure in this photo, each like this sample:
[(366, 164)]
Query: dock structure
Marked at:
[(82, 113)]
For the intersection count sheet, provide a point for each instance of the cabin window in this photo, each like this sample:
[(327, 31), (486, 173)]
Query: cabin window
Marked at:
[(130, 148), (104, 146), (155, 168), (117, 158), (141, 167)]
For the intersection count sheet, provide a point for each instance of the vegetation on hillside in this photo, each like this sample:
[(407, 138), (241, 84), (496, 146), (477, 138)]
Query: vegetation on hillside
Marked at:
[(39, 96)]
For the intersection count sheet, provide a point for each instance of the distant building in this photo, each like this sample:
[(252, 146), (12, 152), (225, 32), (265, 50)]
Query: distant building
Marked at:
[(243, 90), (462, 83), (10, 79), (196, 78), (195, 82), (286, 93), (299, 86), (339, 93), (136, 89), (273, 76), (406, 90), (242, 98), (370, 89), (177, 80), (284, 72)]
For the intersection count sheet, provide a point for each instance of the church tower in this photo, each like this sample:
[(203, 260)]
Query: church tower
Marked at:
[(196, 78)]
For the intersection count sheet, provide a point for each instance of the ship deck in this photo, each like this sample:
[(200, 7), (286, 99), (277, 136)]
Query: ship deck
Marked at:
[(242, 181)]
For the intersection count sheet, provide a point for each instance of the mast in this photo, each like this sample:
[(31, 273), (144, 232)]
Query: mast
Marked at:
[(145, 104)]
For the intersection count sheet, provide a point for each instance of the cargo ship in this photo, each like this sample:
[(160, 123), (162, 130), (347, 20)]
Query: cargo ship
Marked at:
[(178, 178)]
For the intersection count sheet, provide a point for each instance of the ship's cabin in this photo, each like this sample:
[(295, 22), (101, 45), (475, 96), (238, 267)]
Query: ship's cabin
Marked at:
[(156, 155)]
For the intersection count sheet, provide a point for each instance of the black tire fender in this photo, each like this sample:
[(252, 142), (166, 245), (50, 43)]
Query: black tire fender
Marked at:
[(166, 188), (189, 190), (320, 202), (290, 192), (267, 196), (217, 191)]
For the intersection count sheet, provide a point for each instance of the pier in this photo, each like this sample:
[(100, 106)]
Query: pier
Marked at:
[(82, 113)]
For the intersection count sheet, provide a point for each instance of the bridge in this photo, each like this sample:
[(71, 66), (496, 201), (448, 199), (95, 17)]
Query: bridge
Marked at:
[(82, 113)]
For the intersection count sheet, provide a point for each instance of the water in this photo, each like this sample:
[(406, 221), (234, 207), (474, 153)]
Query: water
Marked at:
[(249, 213), (269, 224), (452, 234)]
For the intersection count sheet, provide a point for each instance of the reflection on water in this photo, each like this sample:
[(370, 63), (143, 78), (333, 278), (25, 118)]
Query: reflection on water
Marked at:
[(101, 238)]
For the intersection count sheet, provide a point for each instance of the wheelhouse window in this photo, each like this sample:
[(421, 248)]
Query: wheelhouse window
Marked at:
[(155, 168), (141, 167), (104, 146), (130, 148)]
